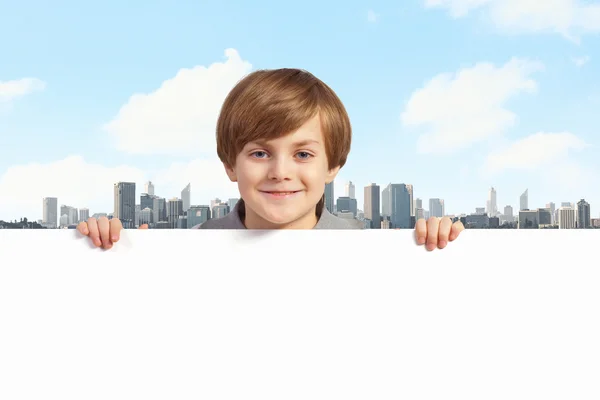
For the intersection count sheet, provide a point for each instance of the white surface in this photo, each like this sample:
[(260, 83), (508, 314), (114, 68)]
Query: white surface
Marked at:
[(180, 314)]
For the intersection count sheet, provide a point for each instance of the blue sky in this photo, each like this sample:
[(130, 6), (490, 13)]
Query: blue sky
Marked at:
[(453, 96)]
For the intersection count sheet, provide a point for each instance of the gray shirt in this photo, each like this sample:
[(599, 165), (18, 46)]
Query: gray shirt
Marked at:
[(233, 220)]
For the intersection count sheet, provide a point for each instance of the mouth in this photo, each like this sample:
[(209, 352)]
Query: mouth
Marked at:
[(277, 193)]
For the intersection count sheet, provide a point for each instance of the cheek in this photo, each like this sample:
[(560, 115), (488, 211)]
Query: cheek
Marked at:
[(249, 175), (314, 177)]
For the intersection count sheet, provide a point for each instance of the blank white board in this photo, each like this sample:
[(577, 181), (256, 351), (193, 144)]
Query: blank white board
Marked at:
[(201, 314)]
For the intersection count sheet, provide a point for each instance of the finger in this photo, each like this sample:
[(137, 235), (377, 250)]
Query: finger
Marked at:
[(104, 229), (444, 232), (115, 229), (82, 227), (457, 228), (144, 226), (433, 225), (92, 225), (421, 231)]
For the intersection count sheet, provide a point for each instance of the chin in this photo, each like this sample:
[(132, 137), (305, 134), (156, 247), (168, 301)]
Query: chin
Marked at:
[(279, 218)]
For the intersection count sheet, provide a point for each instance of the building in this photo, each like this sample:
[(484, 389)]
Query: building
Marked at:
[(583, 215), (372, 205), (492, 207), (350, 190), (174, 211), (50, 212), (197, 215), (159, 209), (566, 218), (329, 197), (84, 214), (124, 203), (347, 205), (185, 197), (386, 202), (410, 190), (529, 219), (436, 208), (149, 188), (399, 199), (220, 210), (524, 200), (544, 217)]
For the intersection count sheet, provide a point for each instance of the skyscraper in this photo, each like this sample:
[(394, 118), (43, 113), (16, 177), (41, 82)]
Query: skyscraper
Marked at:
[(492, 205), (174, 211), (149, 188), (436, 208), (508, 213), (329, 197), (124, 199), (185, 197), (583, 214), (552, 208), (386, 201), (409, 187), (84, 214), (50, 211), (350, 190), (372, 205), (400, 205), (524, 200), (418, 206)]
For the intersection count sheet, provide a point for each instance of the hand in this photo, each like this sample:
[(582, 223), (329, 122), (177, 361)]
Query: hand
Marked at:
[(437, 232), (103, 232)]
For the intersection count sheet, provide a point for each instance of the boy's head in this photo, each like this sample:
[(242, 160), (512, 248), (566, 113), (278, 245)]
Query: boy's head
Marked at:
[(282, 130)]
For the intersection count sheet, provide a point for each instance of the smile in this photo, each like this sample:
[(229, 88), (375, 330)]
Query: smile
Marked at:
[(279, 194)]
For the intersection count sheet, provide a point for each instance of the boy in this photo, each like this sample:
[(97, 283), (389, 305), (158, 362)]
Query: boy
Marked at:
[(282, 135)]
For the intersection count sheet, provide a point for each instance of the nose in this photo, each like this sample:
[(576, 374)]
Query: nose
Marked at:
[(280, 169)]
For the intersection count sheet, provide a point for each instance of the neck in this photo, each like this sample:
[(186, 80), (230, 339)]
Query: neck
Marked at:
[(251, 220)]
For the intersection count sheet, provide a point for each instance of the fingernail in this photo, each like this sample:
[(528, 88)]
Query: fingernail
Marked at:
[(421, 240), (430, 246), (442, 244), (114, 238)]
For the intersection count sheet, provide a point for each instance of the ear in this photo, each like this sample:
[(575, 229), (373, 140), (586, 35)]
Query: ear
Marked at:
[(331, 174), (230, 173)]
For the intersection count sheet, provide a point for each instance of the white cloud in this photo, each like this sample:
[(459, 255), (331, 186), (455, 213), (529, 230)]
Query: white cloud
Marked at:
[(571, 177), (207, 178), (569, 18), (80, 184), (180, 116), (10, 90), (72, 180), (372, 16), (467, 107), (540, 150), (581, 61)]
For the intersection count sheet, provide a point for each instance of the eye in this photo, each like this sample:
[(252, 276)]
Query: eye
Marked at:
[(304, 155), (259, 154)]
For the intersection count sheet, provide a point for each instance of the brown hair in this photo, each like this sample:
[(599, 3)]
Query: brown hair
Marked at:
[(268, 104)]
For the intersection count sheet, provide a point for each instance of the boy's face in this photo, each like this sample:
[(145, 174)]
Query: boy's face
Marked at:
[(282, 180)]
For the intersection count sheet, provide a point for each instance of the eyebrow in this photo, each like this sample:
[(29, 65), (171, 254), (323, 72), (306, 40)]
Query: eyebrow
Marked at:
[(306, 142), (301, 143)]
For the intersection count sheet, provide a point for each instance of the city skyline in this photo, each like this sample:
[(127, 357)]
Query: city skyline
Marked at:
[(452, 96), (395, 203)]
